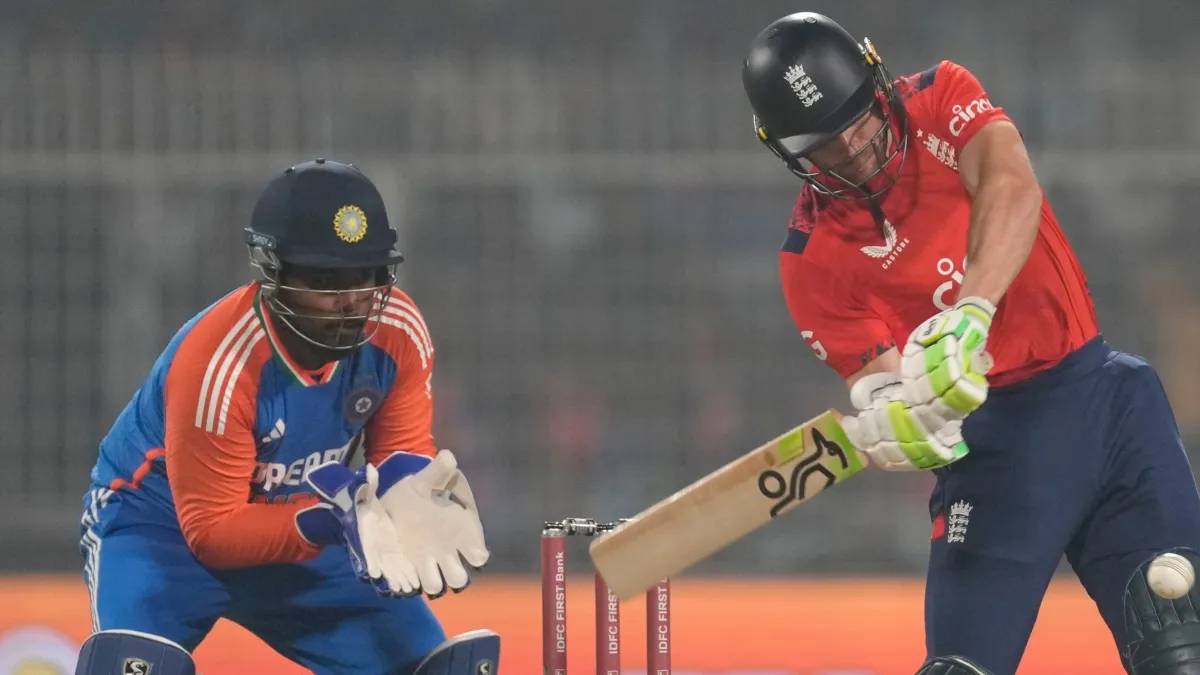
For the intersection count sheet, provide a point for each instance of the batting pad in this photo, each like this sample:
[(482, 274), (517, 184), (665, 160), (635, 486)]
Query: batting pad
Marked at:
[(475, 652), (129, 652)]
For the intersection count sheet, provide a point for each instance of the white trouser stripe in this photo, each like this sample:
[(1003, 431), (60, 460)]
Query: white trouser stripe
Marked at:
[(92, 574)]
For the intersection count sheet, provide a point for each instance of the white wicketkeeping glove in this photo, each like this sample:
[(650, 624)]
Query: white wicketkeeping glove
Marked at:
[(350, 513), (896, 435), (436, 520)]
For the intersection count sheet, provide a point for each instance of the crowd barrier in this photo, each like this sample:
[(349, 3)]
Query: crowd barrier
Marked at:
[(718, 627)]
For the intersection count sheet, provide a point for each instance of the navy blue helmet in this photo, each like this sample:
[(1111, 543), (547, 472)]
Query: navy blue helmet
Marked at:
[(320, 228)]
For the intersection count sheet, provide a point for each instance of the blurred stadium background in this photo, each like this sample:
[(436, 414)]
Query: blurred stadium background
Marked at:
[(591, 228)]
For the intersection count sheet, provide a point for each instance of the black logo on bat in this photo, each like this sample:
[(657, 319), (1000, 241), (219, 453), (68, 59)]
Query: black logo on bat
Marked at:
[(773, 485)]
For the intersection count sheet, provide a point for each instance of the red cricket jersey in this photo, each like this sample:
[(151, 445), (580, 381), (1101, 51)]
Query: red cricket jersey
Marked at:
[(855, 289)]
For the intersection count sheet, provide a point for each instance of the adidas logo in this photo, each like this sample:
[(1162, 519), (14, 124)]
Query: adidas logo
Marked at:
[(276, 433)]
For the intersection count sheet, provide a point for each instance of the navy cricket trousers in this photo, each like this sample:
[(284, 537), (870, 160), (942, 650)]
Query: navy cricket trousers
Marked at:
[(1084, 460)]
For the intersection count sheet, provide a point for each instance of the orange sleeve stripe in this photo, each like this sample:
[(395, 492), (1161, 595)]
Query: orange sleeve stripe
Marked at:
[(405, 421), (223, 372), (400, 312), (139, 473)]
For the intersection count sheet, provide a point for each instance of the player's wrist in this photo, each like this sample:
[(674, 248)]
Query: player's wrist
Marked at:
[(318, 526), (977, 305), (398, 466)]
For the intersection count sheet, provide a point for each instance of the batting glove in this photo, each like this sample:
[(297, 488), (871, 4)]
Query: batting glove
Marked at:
[(945, 363), (437, 522), (897, 435)]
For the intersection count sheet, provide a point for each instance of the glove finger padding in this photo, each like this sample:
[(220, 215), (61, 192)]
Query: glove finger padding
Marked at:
[(438, 474), (461, 490), (866, 431), (935, 414), (876, 387), (370, 522), (895, 438), (472, 546), (366, 529), (430, 573), (945, 359), (455, 573), (386, 563), (456, 486), (436, 520), (889, 457), (867, 395), (950, 434), (406, 574), (476, 555), (923, 448)]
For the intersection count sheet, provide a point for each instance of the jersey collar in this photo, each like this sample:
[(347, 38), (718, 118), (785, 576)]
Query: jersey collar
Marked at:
[(306, 378)]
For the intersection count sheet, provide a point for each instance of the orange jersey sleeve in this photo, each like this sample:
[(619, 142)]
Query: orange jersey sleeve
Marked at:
[(841, 328), (405, 420), (210, 396), (960, 104)]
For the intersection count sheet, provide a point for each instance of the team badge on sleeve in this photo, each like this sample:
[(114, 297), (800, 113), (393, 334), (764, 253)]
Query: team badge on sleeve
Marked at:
[(361, 403)]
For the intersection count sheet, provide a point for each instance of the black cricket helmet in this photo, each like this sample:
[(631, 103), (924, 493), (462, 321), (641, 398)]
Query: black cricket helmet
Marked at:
[(808, 80), (323, 224)]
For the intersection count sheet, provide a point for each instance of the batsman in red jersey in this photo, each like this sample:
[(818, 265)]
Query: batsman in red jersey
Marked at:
[(925, 266)]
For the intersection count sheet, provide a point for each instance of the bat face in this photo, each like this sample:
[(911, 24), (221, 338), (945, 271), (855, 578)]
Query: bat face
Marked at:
[(816, 451), (726, 505)]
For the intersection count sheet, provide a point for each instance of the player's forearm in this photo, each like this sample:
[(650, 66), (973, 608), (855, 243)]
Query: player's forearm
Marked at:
[(252, 534), (376, 456), (1005, 216), (888, 362)]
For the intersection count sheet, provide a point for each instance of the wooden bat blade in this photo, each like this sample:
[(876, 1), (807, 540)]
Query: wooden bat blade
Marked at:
[(725, 505)]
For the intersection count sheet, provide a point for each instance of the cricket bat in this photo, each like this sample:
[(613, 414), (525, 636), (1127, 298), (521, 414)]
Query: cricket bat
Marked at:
[(726, 505)]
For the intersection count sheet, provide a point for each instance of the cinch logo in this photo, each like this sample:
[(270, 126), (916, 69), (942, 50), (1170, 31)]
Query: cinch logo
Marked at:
[(963, 115), (945, 267), (271, 475), (816, 345)]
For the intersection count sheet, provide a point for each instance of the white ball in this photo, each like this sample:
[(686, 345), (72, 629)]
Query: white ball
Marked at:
[(1171, 576)]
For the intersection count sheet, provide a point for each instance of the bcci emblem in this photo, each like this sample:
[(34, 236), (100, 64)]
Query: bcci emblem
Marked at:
[(350, 224), (361, 403)]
